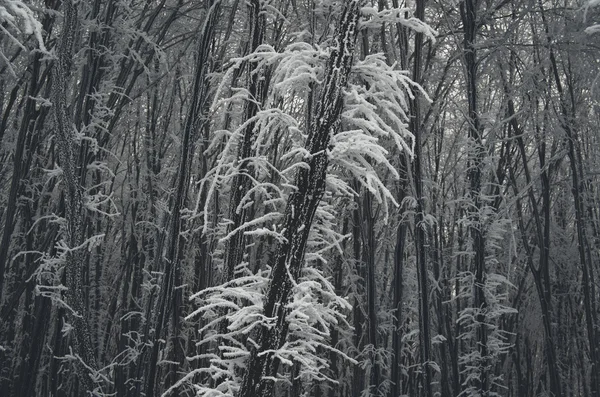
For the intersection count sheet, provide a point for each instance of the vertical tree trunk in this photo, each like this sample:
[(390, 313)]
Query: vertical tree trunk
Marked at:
[(367, 222), (396, 371), (242, 181), (367, 229), (468, 11), (358, 378), (420, 235)]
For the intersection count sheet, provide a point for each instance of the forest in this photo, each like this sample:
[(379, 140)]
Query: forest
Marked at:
[(300, 198)]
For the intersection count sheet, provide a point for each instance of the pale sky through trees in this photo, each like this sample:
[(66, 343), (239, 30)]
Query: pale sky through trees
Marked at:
[(305, 198)]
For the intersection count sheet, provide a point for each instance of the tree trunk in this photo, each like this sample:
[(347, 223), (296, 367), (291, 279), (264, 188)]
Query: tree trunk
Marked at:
[(420, 235), (468, 11), (170, 299), (396, 372), (242, 181), (74, 211)]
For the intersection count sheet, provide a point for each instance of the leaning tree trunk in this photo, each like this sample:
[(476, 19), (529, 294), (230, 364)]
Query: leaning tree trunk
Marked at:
[(73, 196), (170, 299), (301, 208)]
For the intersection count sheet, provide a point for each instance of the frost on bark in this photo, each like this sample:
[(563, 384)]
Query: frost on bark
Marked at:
[(73, 196), (301, 206)]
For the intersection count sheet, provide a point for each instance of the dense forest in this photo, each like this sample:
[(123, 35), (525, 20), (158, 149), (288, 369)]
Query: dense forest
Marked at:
[(317, 198)]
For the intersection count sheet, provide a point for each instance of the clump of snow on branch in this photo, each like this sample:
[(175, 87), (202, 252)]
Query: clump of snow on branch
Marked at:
[(48, 275), (376, 108), (373, 19), (16, 15), (238, 304), (17, 19)]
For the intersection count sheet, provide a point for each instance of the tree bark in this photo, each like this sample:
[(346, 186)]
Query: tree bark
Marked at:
[(73, 196)]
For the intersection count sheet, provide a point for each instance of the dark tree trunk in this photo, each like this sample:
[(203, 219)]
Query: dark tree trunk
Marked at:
[(358, 378), (242, 181), (468, 11), (396, 372), (170, 299), (420, 234)]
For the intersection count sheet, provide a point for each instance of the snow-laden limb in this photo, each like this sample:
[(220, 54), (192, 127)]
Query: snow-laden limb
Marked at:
[(17, 16), (16, 21), (373, 19), (352, 151), (376, 109), (589, 4), (300, 66), (314, 309), (240, 304), (592, 29), (48, 275), (324, 237), (101, 378), (269, 217), (265, 123), (95, 202), (264, 56)]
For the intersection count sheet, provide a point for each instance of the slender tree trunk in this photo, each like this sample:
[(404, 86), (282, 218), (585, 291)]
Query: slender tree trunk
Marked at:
[(420, 235), (242, 181), (468, 10), (358, 378), (170, 300), (368, 254), (396, 371)]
